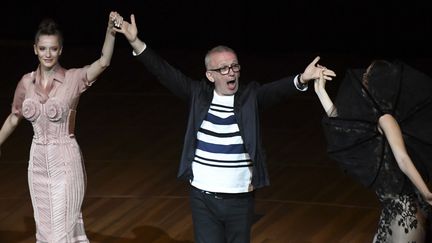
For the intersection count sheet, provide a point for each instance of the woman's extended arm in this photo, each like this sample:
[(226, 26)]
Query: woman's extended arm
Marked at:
[(8, 127), (393, 133), (326, 102)]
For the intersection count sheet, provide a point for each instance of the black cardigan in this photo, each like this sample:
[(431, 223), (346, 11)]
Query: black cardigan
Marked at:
[(248, 101)]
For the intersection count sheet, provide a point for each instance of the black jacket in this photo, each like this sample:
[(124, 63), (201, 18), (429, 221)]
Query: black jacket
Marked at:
[(248, 101)]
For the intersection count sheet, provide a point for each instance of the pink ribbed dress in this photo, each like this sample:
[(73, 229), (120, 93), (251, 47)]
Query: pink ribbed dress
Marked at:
[(56, 173)]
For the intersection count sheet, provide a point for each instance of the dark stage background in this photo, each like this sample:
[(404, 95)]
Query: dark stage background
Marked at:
[(372, 28), (120, 119), (273, 38)]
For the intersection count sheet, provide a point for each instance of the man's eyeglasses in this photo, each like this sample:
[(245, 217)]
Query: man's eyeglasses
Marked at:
[(225, 70)]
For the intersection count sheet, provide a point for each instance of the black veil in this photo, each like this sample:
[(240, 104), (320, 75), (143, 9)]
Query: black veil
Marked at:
[(353, 138)]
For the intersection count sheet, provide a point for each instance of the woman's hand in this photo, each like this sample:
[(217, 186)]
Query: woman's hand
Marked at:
[(115, 21), (314, 71), (319, 84), (129, 30)]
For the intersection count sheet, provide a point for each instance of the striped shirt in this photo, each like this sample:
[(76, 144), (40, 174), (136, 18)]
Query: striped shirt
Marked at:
[(221, 162)]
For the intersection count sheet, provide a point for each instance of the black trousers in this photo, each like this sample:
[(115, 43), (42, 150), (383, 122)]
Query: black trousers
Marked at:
[(222, 217)]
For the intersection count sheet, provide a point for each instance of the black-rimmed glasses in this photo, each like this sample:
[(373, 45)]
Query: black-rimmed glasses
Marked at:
[(225, 70)]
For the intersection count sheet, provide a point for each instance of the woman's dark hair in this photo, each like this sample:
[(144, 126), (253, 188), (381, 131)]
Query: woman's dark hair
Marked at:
[(382, 80), (49, 27)]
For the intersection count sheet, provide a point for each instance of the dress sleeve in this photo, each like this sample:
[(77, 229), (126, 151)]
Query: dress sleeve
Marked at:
[(18, 99), (80, 76)]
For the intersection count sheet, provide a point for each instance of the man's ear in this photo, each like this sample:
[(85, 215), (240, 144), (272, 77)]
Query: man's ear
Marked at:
[(210, 76), (35, 50)]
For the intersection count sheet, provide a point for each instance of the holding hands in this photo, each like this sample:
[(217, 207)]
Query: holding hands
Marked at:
[(115, 21), (324, 74), (315, 71), (128, 29), (319, 83)]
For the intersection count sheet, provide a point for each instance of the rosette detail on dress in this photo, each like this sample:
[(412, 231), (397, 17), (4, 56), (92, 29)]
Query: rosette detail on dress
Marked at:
[(31, 109), (53, 110)]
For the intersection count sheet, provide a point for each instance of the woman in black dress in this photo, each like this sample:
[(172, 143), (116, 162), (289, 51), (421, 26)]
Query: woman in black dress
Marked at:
[(379, 131)]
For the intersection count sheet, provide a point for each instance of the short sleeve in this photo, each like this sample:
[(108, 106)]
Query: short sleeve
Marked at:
[(19, 97), (79, 76)]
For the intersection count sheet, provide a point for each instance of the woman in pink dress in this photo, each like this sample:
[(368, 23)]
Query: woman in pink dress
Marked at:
[(48, 98)]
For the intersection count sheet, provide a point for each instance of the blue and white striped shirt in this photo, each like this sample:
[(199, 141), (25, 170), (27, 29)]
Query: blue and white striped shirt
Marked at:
[(221, 162)]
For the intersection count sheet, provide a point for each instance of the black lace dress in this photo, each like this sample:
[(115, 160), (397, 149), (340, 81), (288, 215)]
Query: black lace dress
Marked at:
[(363, 152)]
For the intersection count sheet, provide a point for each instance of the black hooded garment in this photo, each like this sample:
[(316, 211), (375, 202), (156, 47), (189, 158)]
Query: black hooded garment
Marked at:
[(353, 138)]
